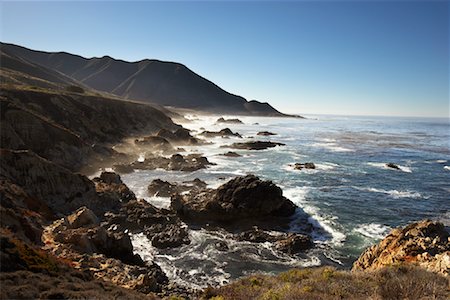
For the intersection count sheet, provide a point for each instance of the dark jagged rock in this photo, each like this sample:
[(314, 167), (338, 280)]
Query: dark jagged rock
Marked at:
[(231, 154), (140, 216), (266, 133), (241, 198), (256, 145), (157, 143), (163, 188), (425, 243), (290, 243), (229, 121), (392, 166), (226, 132), (181, 136), (308, 165), (110, 186), (177, 162)]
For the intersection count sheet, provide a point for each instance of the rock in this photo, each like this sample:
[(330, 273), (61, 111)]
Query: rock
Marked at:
[(123, 169), (290, 243), (82, 217), (229, 121), (256, 145), (110, 187), (266, 133), (221, 246), (82, 233), (157, 143), (172, 236), (231, 154), (161, 188), (200, 184), (294, 243), (163, 226), (181, 136), (392, 166), (226, 132), (177, 162), (425, 243), (308, 165), (240, 198)]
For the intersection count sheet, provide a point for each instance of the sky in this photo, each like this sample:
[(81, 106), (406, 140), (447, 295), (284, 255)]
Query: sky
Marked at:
[(310, 57)]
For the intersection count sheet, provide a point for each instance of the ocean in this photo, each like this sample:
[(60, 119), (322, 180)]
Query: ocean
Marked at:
[(353, 200)]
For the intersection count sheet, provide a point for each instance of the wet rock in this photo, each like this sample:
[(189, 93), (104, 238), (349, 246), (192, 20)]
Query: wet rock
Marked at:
[(308, 165), (163, 188), (240, 198), (200, 184), (229, 121), (392, 166), (425, 243), (162, 225), (256, 235), (231, 154), (123, 168), (256, 145), (172, 236), (294, 243), (266, 133), (226, 132)]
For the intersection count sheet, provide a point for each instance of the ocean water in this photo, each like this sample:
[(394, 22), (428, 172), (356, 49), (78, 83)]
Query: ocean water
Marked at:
[(351, 198)]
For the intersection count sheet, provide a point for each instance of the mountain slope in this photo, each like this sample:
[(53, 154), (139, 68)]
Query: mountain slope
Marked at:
[(165, 83)]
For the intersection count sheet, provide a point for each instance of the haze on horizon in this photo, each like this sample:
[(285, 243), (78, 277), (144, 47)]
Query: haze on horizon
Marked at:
[(349, 58)]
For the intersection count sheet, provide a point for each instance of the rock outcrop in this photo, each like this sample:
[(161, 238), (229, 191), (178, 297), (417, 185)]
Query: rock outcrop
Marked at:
[(226, 132), (177, 162), (163, 188), (256, 145), (231, 154), (109, 186), (425, 243), (241, 198), (392, 166), (229, 121), (155, 143)]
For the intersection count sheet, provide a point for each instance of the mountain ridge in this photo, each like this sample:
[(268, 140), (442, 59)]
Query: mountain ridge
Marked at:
[(148, 80)]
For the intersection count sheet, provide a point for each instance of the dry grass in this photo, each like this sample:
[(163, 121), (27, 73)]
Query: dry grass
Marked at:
[(400, 282)]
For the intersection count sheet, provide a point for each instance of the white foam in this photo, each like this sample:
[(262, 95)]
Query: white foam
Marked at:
[(441, 161), (317, 218), (393, 193), (333, 147), (373, 230), (447, 168)]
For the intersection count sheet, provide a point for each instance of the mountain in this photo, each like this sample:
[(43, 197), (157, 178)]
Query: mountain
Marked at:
[(154, 81)]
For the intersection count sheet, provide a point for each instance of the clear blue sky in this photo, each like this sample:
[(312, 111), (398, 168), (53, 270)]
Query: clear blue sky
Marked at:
[(366, 58)]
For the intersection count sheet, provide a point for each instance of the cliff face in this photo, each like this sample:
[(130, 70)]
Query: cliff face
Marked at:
[(68, 128), (426, 244)]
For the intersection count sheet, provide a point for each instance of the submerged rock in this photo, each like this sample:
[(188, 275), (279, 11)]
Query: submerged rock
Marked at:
[(266, 133), (308, 165), (226, 132), (256, 145), (425, 243), (392, 166), (240, 198), (290, 243), (229, 121), (231, 154)]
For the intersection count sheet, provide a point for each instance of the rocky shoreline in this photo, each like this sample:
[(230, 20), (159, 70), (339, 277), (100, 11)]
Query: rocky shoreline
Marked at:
[(56, 221)]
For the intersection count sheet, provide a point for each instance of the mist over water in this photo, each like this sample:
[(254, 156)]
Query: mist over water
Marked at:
[(352, 198)]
